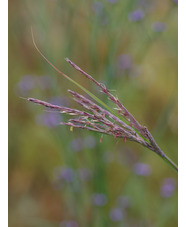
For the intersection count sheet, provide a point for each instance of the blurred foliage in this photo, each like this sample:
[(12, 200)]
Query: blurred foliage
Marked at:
[(63, 178)]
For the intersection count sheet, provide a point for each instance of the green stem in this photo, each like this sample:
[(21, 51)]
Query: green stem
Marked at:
[(170, 162)]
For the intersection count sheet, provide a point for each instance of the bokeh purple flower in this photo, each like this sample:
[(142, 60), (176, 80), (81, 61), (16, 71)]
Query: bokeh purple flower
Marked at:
[(159, 26), (68, 224), (49, 119), (99, 199), (97, 7), (168, 187), (116, 215), (101, 14), (124, 62), (142, 169), (136, 15), (64, 176), (176, 1), (67, 174), (25, 84), (76, 144)]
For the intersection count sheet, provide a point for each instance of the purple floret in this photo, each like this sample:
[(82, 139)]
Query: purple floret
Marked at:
[(168, 187), (136, 15), (116, 215), (99, 199), (142, 169)]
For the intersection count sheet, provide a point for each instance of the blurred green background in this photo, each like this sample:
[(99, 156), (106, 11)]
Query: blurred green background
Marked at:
[(63, 178)]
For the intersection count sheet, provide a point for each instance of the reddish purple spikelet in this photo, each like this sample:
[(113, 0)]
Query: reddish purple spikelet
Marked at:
[(100, 120), (115, 100)]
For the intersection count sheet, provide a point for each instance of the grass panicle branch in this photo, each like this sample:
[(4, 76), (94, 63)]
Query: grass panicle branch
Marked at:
[(101, 118)]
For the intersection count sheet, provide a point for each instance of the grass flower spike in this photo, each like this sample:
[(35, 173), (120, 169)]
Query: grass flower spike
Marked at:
[(100, 118)]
